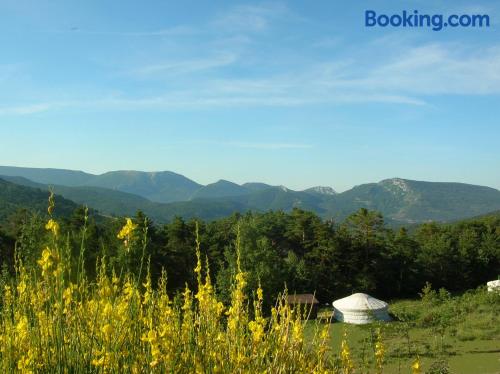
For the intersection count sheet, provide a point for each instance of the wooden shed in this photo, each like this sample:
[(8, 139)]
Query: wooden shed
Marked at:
[(307, 303)]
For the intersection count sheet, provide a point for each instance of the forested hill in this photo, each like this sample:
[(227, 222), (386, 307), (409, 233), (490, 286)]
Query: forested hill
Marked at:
[(308, 254), (14, 197), (165, 186), (401, 201), (298, 248), (409, 201)]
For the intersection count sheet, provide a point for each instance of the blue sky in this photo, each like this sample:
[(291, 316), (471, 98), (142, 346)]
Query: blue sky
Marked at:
[(293, 93)]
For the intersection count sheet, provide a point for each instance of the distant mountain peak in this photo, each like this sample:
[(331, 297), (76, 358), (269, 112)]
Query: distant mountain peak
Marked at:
[(221, 188), (225, 181), (397, 184), (322, 190), (164, 194)]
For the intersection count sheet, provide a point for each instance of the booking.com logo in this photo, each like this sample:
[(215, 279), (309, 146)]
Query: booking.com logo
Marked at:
[(435, 21)]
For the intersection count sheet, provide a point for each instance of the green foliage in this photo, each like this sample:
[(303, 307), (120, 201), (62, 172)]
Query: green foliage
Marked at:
[(120, 193), (407, 337), (297, 249), (14, 197), (439, 367)]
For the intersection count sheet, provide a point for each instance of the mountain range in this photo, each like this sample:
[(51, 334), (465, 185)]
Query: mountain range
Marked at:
[(164, 195)]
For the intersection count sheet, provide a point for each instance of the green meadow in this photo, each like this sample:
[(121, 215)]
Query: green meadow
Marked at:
[(450, 334)]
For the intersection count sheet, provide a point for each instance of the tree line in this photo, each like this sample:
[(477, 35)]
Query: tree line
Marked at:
[(297, 250)]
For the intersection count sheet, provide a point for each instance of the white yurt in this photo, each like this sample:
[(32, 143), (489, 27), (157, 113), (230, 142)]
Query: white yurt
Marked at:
[(494, 286), (360, 308)]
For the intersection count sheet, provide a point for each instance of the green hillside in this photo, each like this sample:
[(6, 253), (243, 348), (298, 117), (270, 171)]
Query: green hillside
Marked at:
[(14, 197), (414, 201), (48, 176), (221, 188), (106, 201), (401, 201), (161, 187)]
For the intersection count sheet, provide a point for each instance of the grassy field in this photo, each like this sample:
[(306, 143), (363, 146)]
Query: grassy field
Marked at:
[(459, 333), (53, 319)]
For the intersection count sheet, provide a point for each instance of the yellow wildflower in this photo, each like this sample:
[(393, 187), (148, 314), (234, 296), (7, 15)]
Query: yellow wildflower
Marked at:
[(45, 262), (52, 226), (345, 354), (107, 330), (379, 352), (152, 339), (416, 368), (21, 287), (25, 362), (297, 331), (127, 231), (22, 327), (107, 311), (257, 330), (260, 293), (98, 362)]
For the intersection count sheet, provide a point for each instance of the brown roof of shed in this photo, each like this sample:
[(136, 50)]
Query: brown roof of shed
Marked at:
[(304, 298)]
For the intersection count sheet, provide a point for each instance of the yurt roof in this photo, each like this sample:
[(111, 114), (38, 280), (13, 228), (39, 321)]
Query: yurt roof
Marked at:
[(359, 301), (494, 283)]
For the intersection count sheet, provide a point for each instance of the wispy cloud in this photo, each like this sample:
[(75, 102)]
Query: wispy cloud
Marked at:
[(185, 66), (250, 18), (409, 72), (26, 109), (411, 77), (433, 69)]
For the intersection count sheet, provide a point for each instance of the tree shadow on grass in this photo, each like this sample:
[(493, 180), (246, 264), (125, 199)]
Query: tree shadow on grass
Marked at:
[(485, 351)]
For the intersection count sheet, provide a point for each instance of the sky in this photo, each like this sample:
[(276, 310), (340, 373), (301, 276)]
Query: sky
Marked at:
[(287, 93)]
